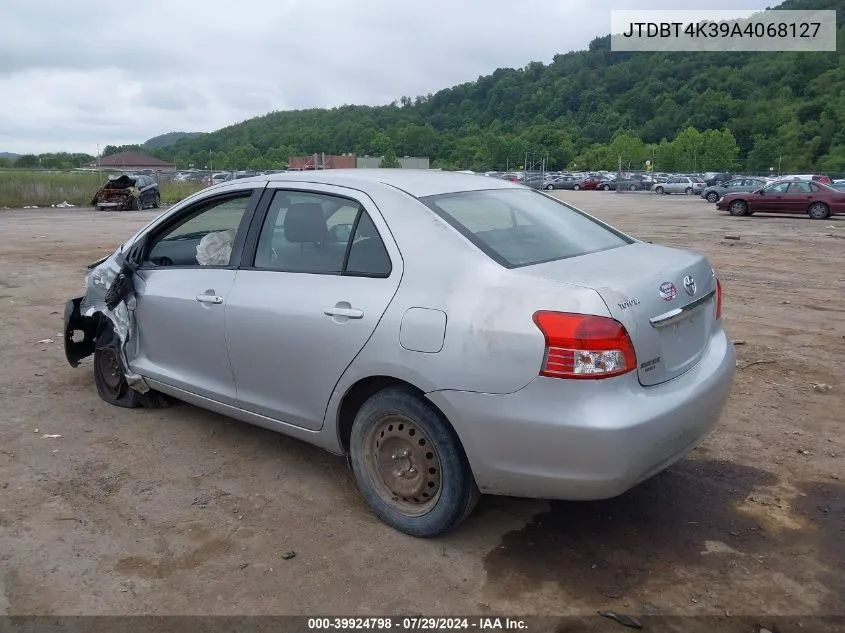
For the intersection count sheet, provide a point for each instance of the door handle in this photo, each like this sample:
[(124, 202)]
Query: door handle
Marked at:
[(215, 299), (349, 313)]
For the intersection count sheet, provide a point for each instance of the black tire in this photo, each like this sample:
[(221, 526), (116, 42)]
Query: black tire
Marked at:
[(738, 208), (632, 187), (688, 191), (818, 211), (605, 187), (136, 204), (157, 201), (549, 187), (659, 190), (111, 380), (576, 187), (712, 197), (429, 454)]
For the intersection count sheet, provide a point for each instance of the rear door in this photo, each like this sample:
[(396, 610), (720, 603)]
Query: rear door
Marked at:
[(320, 271), (798, 197)]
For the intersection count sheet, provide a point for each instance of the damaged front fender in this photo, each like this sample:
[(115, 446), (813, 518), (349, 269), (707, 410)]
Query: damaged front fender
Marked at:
[(109, 301)]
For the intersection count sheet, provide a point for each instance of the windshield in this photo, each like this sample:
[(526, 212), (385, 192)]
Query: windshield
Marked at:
[(519, 228)]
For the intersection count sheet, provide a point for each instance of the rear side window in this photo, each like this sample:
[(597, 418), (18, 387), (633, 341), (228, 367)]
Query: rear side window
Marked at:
[(519, 228), (306, 232)]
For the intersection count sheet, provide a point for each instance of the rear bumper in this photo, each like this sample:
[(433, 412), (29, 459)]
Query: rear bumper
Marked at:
[(587, 440)]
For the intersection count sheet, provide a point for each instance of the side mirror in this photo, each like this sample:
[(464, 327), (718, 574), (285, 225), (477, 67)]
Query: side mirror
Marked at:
[(135, 256)]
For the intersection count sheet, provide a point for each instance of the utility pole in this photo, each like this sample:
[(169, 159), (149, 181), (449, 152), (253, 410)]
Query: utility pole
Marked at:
[(619, 175)]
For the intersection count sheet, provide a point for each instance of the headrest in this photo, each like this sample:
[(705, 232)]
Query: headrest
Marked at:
[(304, 222)]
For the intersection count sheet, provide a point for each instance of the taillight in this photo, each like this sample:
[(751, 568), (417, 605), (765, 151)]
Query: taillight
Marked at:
[(584, 346), (718, 299)]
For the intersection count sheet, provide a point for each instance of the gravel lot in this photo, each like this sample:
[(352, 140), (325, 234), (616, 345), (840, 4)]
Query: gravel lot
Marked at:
[(181, 511)]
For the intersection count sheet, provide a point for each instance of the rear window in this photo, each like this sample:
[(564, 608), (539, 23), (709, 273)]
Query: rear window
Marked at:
[(520, 228)]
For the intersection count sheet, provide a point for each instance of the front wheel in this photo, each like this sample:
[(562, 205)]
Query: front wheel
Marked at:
[(738, 208), (549, 187), (606, 187), (632, 187), (659, 190), (410, 465), (819, 211), (712, 197), (157, 201), (576, 187)]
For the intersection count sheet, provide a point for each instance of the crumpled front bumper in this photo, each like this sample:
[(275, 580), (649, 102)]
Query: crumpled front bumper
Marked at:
[(89, 314)]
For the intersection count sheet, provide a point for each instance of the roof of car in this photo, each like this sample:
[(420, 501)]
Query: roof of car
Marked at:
[(416, 182)]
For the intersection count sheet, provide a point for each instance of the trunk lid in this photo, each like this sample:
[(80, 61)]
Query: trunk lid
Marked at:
[(643, 285)]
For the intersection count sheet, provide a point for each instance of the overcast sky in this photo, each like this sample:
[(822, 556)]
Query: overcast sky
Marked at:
[(75, 74)]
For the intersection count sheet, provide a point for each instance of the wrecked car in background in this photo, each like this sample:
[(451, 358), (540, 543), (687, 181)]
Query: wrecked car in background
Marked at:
[(125, 192), (451, 335)]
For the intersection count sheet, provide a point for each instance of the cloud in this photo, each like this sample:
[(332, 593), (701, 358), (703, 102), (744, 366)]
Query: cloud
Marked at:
[(77, 74)]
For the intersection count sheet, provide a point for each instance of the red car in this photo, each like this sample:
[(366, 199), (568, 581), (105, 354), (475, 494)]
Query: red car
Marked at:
[(793, 196), (592, 182)]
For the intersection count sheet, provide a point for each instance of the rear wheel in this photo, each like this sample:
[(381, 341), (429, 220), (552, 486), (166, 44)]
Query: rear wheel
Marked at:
[(819, 211), (688, 191), (410, 465), (738, 208), (632, 187), (606, 187), (576, 187), (712, 197)]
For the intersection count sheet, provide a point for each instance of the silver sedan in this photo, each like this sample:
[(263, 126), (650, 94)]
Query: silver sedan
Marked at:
[(452, 335)]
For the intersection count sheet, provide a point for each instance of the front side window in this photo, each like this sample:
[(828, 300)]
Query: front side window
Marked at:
[(521, 228), (307, 232), (203, 238)]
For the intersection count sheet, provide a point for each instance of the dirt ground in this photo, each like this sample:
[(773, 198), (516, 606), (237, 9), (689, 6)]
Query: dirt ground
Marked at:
[(181, 511)]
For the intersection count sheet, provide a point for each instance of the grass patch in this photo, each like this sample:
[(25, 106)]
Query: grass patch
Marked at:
[(46, 188)]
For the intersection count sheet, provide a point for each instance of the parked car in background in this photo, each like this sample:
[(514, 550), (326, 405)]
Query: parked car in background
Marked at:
[(625, 184), (712, 179), (611, 362), (680, 184), (592, 182), (125, 192), (565, 182), (787, 196), (222, 176), (825, 180), (713, 193), (839, 185)]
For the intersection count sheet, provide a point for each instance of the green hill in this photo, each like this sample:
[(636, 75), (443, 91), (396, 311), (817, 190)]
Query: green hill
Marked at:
[(585, 107), (166, 140)]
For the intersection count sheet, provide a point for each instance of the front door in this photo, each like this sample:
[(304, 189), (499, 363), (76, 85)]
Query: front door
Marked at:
[(182, 288), (309, 299), (774, 200)]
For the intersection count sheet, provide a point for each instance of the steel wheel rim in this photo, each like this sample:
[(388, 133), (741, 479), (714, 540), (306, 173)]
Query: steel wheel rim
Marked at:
[(713, 197), (110, 369), (404, 465)]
